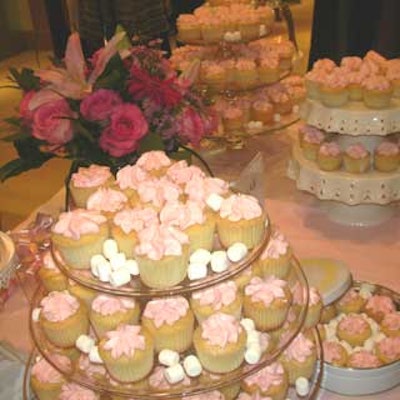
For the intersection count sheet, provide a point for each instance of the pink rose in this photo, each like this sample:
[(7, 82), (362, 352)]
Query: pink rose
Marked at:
[(99, 105), (51, 122), (190, 126), (24, 110), (128, 125)]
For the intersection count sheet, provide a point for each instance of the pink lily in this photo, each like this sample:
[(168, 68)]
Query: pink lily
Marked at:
[(71, 81)]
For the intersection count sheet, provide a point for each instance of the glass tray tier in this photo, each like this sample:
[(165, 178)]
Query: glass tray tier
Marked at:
[(204, 383)]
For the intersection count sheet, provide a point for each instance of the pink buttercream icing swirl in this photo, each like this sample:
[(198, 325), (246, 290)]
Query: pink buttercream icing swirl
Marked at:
[(73, 391), (153, 160), (332, 351), (198, 189), (131, 177), (182, 215), (232, 112), (364, 359), (124, 341), (316, 75), (157, 241), (217, 296), (331, 149), (353, 324), (324, 64), (391, 321), (300, 348), (159, 191), (106, 199), (58, 306), (314, 297), (74, 224), (108, 305), (336, 79), (357, 151), (377, 82), (272, 375), (240, 206), (277, 246), (46, 373), (350, 296), (92, 176), (135, 219), (387, 148), (381, 303), (266, 290), (166, 311), (220, 329), (314, 136), (390, 347), (351, 63), (181, 173)]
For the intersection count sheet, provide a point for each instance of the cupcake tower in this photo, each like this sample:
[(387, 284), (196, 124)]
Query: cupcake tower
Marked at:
[(347, 149), (175, 312)]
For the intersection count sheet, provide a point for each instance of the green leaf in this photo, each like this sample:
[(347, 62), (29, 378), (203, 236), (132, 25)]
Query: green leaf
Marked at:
[(114, 75), (25, 78), (151, 141), (125, 43), (13, 121), (15, 136)]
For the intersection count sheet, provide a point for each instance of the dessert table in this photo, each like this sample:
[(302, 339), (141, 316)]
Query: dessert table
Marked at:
[(371, 253)]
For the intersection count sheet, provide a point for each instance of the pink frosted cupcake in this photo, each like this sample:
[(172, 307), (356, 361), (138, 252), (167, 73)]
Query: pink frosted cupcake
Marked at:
[(181, 173), (378, 306), (233, 119), (329, 157), (313, 80), (107, 201), (268, 69), (200, 189), (170, 322), (351, 63), (73, 391), (390, 324), (154, 162), (324, 64), (334, 89), (262, 110), (214, 76), (267, 302), (363, 359), (223, 297), (63, 318), (87, 180), (245, 73), (334, 353), (356, 159), (162, 255), (50, 275), (353, 329), (107, 312), (387, 157), (393, 75), (388, 349), (188, 28), (314, 309), (128, 180), (377, 92), (351, 302), (241, 219), (311, 139), (93, 371), (158, 382)]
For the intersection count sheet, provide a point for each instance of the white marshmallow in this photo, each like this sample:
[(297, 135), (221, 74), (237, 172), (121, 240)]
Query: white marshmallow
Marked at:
[(132, 266), (95, 261), (94, 355), (192, 366), (253, 353), (214, 201), (168, 357), (196, 271), (117, 261), (262, 30), (110, 248), (36, 314), (236, 252), (104, 271), (277, 117), (369, 344), (120, 277), (201, 256), (85, 343), (219, 261), (253, 337), (174, 374), (302, 386), (238, 36), (248, 324)]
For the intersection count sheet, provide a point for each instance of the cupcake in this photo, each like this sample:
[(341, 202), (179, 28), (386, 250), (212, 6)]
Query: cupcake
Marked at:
[(351, 63), (354, 329), (312, 81), (128, 180), (162, 255), (311, 139), (387, 157), (50, 275), (378, 306), (181, 173), (107, 312), (363, 359), (245, 75), (280, 99), (93, 371), (154, 162), (377, 92), (351, 302), (268, 69), (127, 353), (223, 297), (271, 381), (220, 343), (314, 309), (83, 293), (262, 110), (393, 75), (328, 312), (107, 201), (299, 358), (73, 391), (329, 157), (388, 350), (63, 318), (78, 235), (158, 382), (267, 302), (188, 28), (212, 30), (213, 75), (390, 324), (334, 353), (241, 219), (275, 259), (87, 180), (170, 322), (334, 89), (229, 392), (356, 159), (233, 119)]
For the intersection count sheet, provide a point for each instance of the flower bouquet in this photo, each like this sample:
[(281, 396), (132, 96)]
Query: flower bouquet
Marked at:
[(107, 110)]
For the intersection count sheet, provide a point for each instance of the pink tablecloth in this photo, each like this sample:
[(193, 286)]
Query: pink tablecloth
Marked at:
[(372, 254)]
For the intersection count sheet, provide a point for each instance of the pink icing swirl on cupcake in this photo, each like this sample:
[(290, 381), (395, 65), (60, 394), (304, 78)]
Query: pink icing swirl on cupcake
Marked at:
[(336, 79), (332, 351), (300, 348), (232, 113), (182, 215), (220, 329), (46, 373), (240, 206), (357, 151), (131, 177), (330, 149), (181, 173), (377, 82), (106, 199), (314, 297), (74, 224), (381, 303), (270, 61), (108, 305), (353, 324), (351, 63), (124, 341), (376, 58), (153, 160), (313, 136), (272, 375), (92, 176), (363, 359), (390, 348), (266, 290), (73, 391), (324, 64), (387, 148), (391, 321), (277, 246), (198, 189), (166, 311), (217, 296), (316, 75), (350, 296), (58, 306), (159, 191), (245, 64), (135, 219)]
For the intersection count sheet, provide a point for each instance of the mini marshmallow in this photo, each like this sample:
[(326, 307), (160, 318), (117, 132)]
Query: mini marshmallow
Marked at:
[(36, 314), (120, 277), (168, 357), (85, 343), (192, 366), (104, 271), (96, 260), (248, 324), (196, 271), (253, 353), (214, 201), (201, 256), (174, 374), (110, 248), (132, 266), (219, 261), (253, 337), (302, 386), (117, 261), (277, 117), (236, 252), (262, 30), (94, 355), (255, 125)]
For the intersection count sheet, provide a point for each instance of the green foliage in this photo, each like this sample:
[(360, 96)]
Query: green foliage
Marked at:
[(25, 79)]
